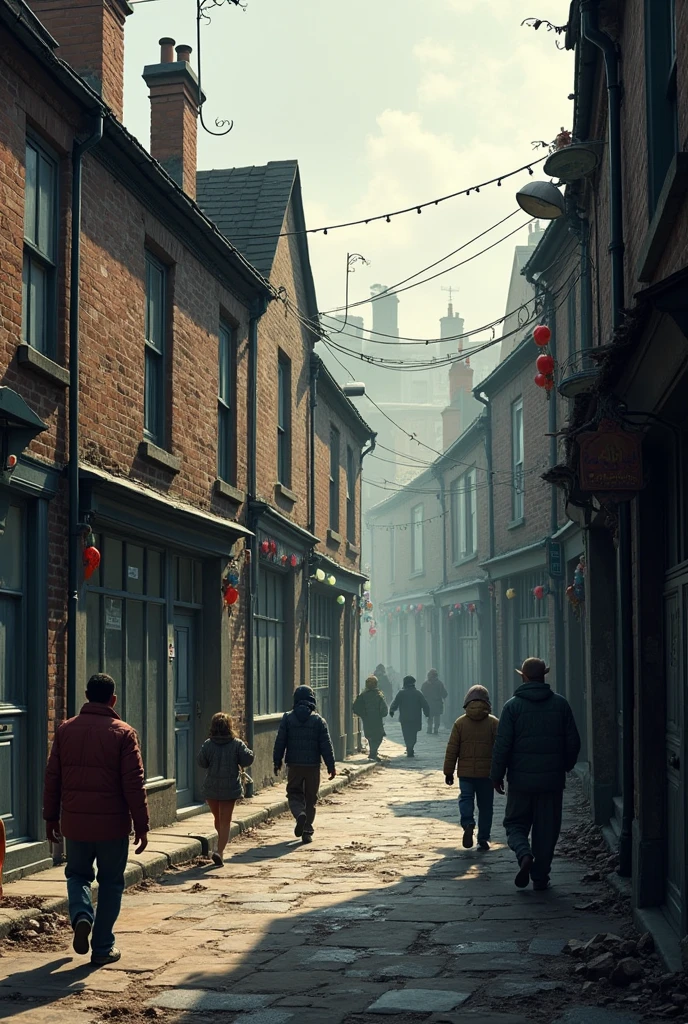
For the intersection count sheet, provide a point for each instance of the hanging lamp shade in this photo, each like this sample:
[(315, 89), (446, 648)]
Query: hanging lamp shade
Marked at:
[(541, 199)]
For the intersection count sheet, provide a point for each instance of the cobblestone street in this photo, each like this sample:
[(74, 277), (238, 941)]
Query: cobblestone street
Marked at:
[(384, 914)]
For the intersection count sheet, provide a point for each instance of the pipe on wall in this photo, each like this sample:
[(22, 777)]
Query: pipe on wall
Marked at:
[(74, 536), (490, 533)]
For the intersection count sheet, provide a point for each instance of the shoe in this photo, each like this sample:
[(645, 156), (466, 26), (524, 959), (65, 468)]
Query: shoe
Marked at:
[(429, 732), (468, 837), (217, 859), (541, 886), (300, 824), (436, 732), (101, 960), (483, 844), (523, 876), (410, 753), (307, 837), (82, 934)]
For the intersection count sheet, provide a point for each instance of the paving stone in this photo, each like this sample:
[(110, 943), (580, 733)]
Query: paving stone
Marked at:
[(386, 935), (335, 956), (209, 973), (201, 1002), (264, 1017), (593, 1015), (495, 931), (522, 987), (547, 947), (435, 913), (417, 1000), (282, 983), (467, 948), (54, 1014)]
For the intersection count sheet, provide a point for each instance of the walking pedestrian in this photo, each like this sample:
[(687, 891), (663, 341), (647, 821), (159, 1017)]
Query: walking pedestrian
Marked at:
[(411, 705), (94, 786), (470, 747), (384, 683), (223, 755), (371, 708), (302, 740), (435, 693), (537, 744)]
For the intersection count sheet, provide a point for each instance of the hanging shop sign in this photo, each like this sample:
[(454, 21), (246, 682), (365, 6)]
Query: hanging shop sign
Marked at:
[(554, 560), (610, 460)]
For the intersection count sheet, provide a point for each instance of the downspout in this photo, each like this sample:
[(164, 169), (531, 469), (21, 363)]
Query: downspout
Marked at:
[(74, 547), (555, 585), (591, 32), (257, 312), (313, 404), (490, 533)]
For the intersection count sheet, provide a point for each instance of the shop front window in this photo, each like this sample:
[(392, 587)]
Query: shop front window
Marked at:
[(321, 634), (533, 614), (270, 646), (12, 678)]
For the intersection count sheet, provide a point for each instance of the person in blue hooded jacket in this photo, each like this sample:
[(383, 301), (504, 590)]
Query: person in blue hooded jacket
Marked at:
[(537, 744), (303, 739)]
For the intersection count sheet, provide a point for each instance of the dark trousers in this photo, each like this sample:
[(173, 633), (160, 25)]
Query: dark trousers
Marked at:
[(482, 791), (303, 783), (541, 813), (410, 734), (434, 723), (111, 858)]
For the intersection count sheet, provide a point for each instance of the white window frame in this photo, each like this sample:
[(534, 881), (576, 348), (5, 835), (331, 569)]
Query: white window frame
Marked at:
[(517, 461), (417, 540)]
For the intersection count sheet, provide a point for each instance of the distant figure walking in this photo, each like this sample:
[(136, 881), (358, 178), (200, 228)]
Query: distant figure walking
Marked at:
[(411, 705), (435, 693), (94, 786), (537, 743), (303, 739), (470, 746), (223, 756), (384, 683), (371, 708)]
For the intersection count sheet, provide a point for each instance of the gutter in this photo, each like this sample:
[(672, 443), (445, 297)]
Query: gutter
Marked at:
[(75, 527), (480, 396)]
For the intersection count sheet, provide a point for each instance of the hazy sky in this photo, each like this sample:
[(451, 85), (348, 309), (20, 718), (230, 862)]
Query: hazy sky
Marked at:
[(384, 103)]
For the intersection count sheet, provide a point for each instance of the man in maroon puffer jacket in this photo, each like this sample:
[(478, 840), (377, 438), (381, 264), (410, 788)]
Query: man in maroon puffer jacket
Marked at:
[(94, 786)]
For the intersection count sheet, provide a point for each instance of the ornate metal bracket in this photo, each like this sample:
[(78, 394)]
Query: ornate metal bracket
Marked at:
[(202, 8)]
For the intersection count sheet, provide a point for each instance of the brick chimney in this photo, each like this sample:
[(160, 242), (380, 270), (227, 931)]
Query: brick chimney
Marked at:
[(174, 113), (459, 412), (90, 34)]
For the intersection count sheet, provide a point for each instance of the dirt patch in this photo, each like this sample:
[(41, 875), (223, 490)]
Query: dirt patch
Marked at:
[(40, 934), (22, 902)]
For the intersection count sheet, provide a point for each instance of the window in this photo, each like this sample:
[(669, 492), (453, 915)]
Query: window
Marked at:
[(533, 615), (350, 495), (464, 520), (126, 636), (416, 539), (571, 318), (518, 494), (660, 88), (40, 244), (334, 479), (226, 437), (392, 555), (156, 331), (14, 721), (322, 630), (284, 420), (270, 646)]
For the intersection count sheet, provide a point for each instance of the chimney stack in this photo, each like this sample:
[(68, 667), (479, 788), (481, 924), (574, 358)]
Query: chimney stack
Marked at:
[(454, 418), (174, 99), (90, 34)]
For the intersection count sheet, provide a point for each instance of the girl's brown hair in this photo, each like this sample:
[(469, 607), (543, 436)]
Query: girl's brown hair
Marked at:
[(221, 725)]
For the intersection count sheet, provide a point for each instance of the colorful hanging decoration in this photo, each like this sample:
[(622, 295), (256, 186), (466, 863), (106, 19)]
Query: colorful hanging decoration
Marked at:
[(91, 555), (510, 594), (544, 378), (331, 580), (293, 561), (542, 335), (231, 595), (265, 547), (341, 599), (472, 608), (320, 575), (538, 593), (576, 591)]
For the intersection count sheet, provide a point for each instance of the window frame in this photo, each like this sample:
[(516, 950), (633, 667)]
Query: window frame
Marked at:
[(517, 462), (284, 433), (226, 404), (154, 356), (35, 256), (392, 555), (417, 540), (661, 96), (351, 477), (464, 516), (270, 691), (335, 473)]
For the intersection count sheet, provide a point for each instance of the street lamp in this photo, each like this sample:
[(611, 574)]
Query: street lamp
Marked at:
[(541, 199), (354, 389)]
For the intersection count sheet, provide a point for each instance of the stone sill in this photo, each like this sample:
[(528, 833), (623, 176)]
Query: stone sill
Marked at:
[(334, 538), (414, 575), (228, 491), (157, 784), (282, 491), (166, 460), (466, 558), (30, 358), (515, 523), (352, 550), (664, 220)]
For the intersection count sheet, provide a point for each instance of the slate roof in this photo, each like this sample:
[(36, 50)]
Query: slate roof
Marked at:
[(248, 205)]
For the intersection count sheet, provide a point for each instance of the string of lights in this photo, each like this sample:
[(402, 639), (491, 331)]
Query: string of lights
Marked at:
[(425, 464), (406, 526)]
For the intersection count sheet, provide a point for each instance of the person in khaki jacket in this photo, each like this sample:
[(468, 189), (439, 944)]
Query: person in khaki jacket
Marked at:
[(470, 746)]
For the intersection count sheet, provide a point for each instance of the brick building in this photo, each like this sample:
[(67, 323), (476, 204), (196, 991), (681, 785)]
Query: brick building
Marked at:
[(175, 437)]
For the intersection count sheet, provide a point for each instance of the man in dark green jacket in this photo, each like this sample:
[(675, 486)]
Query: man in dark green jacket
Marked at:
[(537, 744)]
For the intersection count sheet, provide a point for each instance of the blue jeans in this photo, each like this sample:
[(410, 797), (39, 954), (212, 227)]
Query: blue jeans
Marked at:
[(111, 857), (483, 791)]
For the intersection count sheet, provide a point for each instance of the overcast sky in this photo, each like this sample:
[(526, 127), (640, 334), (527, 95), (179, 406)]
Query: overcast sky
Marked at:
[(384, 103)]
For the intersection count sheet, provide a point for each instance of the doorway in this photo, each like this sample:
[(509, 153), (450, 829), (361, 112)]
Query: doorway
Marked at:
[(184, 707), (675, 623)]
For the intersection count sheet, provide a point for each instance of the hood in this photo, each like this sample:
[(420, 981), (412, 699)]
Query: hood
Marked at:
[(304, 695), (477, 710), (409, 686), (534, 691), (477, 693), (221, 740), (303, 711)]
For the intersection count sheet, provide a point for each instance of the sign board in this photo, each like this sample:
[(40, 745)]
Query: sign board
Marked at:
[(610, 460), (555, 560), (113, 613)]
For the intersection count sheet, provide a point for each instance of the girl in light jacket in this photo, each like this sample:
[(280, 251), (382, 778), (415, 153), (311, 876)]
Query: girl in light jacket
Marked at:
[(223, 755)]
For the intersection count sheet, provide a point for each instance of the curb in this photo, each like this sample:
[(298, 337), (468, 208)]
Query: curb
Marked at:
[(163, 852)]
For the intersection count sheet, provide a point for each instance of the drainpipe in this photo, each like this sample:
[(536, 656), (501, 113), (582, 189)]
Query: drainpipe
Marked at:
[(559, 642), (74, 537), (257, 312), (586, 287), (490, 532), (624, 637)]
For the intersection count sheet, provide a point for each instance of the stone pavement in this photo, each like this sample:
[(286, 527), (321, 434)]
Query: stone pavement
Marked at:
[(384, 915)]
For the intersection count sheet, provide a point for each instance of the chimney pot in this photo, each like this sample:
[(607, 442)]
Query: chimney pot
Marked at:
[(166, 50), (184, 53)]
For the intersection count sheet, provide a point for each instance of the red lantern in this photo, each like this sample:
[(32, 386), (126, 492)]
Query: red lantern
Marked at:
[(265, 547), (540, 380), (372, 631), (284, 559), (231, 595), (398, 609), (91, 560), (273, 547), (545, 364), (293, 561), (542, 335), (539, 593), (549, 384), (471, 608)]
